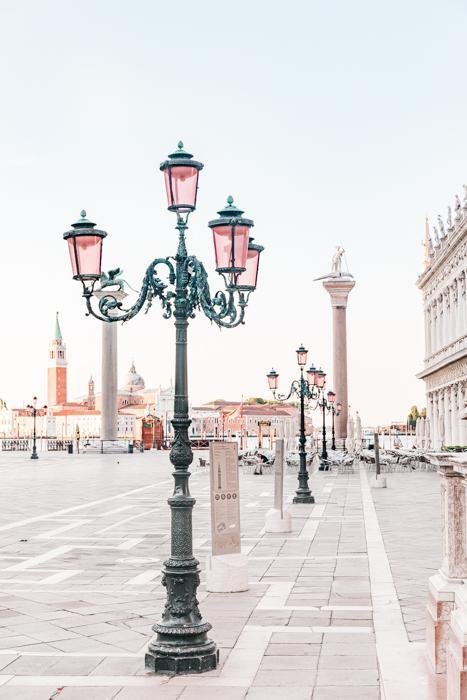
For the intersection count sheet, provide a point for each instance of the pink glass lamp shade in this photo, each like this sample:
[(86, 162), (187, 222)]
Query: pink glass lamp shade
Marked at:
[(321, 379), (231, 232), (85, 248), (312, 374), (181, 180), (302, 354), (246, 281), (331, 397), (273, 379)]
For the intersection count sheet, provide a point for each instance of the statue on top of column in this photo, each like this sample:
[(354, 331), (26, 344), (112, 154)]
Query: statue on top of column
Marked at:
[(337, 260), (336, 266)]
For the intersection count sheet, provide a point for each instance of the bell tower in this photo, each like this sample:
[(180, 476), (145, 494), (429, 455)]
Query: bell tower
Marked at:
[(57, 380)]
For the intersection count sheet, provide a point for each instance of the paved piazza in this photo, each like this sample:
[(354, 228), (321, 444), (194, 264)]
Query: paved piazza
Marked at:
[(335, 608)]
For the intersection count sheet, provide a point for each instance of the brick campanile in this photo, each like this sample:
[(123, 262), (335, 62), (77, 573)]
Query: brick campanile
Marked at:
[(57, 379)]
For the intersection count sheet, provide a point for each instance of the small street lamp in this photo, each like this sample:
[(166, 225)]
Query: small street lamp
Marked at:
[(33, 408), (308, 389), (181, 645), (335, 411), (327, 404)]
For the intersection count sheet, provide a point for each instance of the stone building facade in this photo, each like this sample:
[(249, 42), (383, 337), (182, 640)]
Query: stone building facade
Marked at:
[(443, 285)]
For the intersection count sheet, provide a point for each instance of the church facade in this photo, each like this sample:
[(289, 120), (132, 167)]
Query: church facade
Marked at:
[(443, 285)]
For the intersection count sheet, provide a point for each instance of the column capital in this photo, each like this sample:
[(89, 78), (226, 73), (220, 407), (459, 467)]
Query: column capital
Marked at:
[(339, 289)]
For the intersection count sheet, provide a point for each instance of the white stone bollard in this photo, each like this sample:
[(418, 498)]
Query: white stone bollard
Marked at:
[(226, 573), (278, 519)]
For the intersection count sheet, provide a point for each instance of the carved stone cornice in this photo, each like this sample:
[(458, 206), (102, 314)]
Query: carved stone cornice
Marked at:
[(445, 376)]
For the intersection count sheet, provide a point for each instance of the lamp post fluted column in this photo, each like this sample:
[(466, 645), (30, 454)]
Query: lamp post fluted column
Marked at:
[(333, 442), (181, 645), (303, 493), (34, 454), (324, 451), (33, 408)]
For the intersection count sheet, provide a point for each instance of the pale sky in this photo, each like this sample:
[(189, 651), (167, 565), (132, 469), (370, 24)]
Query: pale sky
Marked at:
[(329, 122)]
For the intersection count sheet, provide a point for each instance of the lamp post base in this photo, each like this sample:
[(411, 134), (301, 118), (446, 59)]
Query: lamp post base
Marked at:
[(34, 455), (180, 661), (303, 498)]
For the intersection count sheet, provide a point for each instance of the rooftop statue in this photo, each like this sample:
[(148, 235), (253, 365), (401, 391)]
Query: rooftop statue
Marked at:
[(435, 236), (441, 227), (449, 218)]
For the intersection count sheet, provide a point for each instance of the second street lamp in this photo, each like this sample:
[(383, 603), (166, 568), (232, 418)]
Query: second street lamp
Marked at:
[(33, 408), (304, 389), (181, 644), (335, 411)]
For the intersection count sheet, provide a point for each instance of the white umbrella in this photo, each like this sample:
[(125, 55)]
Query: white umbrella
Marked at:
[(442, 432), (421, 443), (350, 433), (417, 432), (358, 433), (427, 434)]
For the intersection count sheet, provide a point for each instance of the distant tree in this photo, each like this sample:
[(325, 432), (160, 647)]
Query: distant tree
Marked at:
[(412, 417), (255, 400)]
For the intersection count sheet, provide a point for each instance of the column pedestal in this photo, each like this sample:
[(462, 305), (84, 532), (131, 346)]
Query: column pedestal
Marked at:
[(444, 585), (456, 666)]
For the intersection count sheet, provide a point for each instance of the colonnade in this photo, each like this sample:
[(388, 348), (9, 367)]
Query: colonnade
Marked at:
[(445, 405), (446, 316)]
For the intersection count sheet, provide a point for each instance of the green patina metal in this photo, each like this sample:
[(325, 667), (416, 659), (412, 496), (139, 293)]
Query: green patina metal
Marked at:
[(181, 644)]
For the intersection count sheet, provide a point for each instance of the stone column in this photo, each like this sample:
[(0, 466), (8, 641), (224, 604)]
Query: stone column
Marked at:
[(434, 327), (447, 416), (454, 416), (434, 425), (109, 408), (429, 417), (339, 289), (427, 331), (442, 316), (444, 584), (462, 399)]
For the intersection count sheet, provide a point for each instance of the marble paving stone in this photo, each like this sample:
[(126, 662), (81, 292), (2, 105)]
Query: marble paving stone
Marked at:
[(42, 693), (344, 692), (350, 662), (289, 678), (269, 693), (289, 662), (89, 693), (112, 623), (163, 693)]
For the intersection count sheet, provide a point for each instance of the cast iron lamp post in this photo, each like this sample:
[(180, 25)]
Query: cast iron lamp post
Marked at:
[(308, 389), (181, 644), (33, 408)]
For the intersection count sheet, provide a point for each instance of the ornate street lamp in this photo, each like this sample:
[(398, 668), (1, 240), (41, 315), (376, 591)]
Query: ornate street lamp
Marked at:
[(33, 408), (181, 644), (304, 389), (335, 411)]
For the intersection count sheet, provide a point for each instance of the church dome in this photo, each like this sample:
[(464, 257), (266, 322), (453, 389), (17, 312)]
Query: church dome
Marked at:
[(134, 381)]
